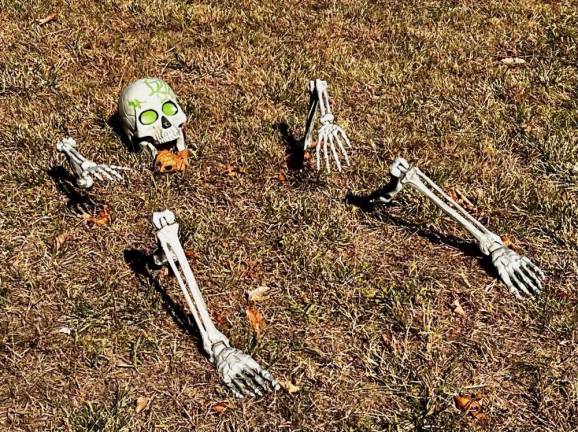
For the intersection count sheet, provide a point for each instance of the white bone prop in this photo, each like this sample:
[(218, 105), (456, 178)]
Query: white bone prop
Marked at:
[(85, 169), (330, 135), (151, 115), (237, 370), (520, 275)]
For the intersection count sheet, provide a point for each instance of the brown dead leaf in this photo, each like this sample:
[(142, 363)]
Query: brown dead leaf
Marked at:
[(141, 404), (513, 61), (256, 319), (306, 156), (220, 407), (289, 386), (102, 218), (508, 242), (60, 240), (258, 294), (281, 177), (46, 19), (191, 254), (167, 161), (471, 405), (457, 308)]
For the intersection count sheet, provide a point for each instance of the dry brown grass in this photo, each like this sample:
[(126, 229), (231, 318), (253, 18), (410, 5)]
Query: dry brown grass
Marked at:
[(360, 317)]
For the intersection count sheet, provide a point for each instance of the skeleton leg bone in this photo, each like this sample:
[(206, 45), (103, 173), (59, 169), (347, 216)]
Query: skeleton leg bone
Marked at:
[(519, 274), (238, 371)]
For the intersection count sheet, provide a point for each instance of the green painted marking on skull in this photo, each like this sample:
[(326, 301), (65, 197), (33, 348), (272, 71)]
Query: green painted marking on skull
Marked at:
[(158, 88), (135, 104)]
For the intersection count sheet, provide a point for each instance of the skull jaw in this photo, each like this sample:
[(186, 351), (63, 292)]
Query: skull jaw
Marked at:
[(173, 139)]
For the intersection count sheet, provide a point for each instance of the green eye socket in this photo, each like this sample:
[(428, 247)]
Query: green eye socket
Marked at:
[(169, 108), (148, 117)]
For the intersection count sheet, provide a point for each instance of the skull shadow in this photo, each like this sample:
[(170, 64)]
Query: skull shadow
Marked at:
[(115, 124), (142, 264), (79, 203), (368, 203)]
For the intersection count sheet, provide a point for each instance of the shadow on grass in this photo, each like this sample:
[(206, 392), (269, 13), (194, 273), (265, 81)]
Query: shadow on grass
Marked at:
[(370, 204), (79, 202), (141, 264), (293, 147), (116, 125)]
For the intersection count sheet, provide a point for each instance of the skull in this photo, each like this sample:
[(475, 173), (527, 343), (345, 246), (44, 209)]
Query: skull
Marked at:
[(150, 115)]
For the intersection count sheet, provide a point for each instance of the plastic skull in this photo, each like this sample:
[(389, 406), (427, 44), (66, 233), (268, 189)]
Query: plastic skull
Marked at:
[(151, 115)]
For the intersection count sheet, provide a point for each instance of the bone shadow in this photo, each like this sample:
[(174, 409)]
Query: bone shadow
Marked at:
[(141, 263), (78, 202), (116, 125), (293, 147), (368, 204)]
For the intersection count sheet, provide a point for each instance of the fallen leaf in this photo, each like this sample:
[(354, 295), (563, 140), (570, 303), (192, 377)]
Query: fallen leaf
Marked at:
[(471, 405), (457, 308), (102, 218), (64, 330), (281, 177), (167, 161), (60, 240), (258, 294), (508, 242), (141, 404), (220, 407), (306, 156), (46, 19), (513, 61), (289, 386), (191, 254), (256, 319)]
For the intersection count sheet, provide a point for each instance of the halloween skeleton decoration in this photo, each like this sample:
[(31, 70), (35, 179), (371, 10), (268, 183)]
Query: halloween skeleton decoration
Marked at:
[(151, 116), (330, 136), (520, 275), (85, 169), (237, 370)]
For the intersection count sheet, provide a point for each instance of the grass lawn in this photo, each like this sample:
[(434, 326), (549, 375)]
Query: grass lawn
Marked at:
[(361, 316)]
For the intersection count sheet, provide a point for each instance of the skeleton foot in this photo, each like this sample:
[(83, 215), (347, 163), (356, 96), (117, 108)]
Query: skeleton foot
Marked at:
[(519, 274), (238, 371), (85, 169), (332, 139)]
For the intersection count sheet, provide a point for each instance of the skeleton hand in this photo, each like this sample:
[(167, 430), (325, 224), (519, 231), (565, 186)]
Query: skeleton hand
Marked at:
[(240, 373), (520, 275), (330, 136), (85, 169)]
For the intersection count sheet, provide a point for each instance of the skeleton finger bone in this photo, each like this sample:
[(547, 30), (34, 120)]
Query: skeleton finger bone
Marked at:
[(232, 364), (340, 145), (518, 273)]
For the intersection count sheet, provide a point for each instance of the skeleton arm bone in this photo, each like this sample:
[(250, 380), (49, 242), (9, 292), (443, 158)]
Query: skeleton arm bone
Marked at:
[(168, 236), (518, 273), (238, 371)]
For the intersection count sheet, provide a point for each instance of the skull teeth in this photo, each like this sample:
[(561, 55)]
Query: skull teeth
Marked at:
[(169, 135)]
